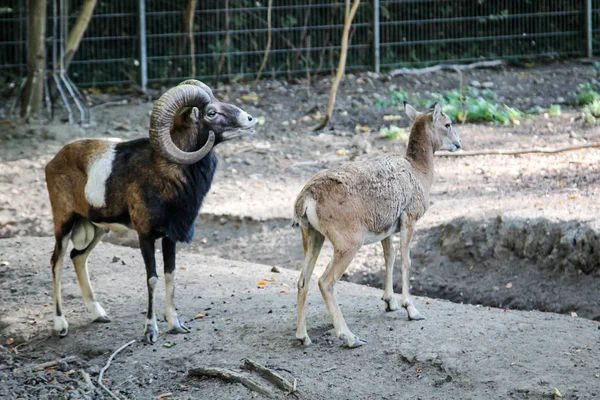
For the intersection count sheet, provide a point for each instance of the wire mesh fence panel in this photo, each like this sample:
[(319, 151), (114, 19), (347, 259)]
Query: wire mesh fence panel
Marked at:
[(229, 37), (13, 38), (108, 53), (435, 31)]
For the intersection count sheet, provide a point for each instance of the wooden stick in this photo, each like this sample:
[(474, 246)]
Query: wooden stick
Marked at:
[(42, 366), (459, 67), (108, 365), (268, 46), (341, 65), (515, 152), (269, 375), (231, 376)]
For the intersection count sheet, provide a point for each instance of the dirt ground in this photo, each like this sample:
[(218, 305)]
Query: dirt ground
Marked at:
[(458, 352), (514, 232)]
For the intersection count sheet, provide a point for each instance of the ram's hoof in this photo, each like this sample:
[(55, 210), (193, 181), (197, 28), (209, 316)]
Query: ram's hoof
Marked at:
[(151, 335), (63, 333), (102, 319)]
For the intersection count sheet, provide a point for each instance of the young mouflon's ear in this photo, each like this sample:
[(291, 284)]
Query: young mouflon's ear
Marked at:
[(437, 111), (410, 111)]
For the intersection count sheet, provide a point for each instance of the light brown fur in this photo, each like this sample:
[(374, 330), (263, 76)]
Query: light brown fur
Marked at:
[(363, 202)]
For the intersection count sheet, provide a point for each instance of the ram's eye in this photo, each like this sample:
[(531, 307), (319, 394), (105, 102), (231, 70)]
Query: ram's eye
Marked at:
[(447, 126), (211, 114)]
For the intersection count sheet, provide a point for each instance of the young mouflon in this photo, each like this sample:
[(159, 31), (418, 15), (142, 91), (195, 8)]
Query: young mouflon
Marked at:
[(366, 202)]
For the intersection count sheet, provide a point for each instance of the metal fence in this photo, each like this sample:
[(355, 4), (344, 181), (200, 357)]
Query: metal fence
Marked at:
[(230, 36)]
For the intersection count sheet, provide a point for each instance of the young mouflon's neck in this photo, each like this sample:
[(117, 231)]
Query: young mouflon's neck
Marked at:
[(420, 148)]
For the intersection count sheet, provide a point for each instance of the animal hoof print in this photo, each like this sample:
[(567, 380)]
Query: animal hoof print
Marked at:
[(102, 320), (151, 336), (358, 342)]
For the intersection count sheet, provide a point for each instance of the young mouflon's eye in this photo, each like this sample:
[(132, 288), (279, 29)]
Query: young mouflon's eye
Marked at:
[(447, 126), (211, 114)]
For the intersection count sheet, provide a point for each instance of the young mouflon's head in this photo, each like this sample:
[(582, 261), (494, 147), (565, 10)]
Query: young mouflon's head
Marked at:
[(443, 135)]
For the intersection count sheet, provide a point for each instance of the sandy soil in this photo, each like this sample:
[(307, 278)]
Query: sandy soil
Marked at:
[(459, 352), (246, 217)]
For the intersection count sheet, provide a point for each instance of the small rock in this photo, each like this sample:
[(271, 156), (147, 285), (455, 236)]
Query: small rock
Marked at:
[(476, 84), (14, 290), (115, 259), (222, 220), (275, 269), (4, 263), (487, 85), (560, 100)]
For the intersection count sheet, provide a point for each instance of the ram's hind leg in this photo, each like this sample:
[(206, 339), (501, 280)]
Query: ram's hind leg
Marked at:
[(79, 258), (169, 253), (56, 262), (312, 241)]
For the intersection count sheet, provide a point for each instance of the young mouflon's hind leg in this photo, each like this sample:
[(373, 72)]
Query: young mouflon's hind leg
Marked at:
[(147, 247), (312, 241), (341, 259), (79, 258), (169, 252), (391, 304), (406, 231), (56, 262)]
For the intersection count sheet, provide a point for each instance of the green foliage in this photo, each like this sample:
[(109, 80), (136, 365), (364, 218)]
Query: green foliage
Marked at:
[(591, 112), (586, 94), (467, 105), (554, 110), (392, 132)]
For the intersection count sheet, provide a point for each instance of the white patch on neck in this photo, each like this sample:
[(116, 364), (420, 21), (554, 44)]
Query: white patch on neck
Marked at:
[(98, 173)]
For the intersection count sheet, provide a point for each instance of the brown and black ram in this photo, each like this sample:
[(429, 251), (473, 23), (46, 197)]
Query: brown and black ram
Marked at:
[(153, 185)]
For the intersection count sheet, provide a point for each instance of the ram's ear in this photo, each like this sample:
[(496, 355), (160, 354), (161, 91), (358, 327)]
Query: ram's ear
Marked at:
[(410, 111)]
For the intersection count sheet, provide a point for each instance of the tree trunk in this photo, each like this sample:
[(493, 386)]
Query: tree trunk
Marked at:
[(78, 30), (33, 93), (188, 28), (342, 64)]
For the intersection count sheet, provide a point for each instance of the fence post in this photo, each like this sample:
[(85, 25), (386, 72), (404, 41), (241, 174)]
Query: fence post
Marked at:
[(143, 55), (589, 51), (376, 53)]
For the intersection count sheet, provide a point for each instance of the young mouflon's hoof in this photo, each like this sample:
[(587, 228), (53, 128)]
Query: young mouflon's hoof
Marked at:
[(357, 342), (179, 329), (102, 319), (304, 341)]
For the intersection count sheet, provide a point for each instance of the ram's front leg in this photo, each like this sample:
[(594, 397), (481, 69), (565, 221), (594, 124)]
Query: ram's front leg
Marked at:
[(175, 326), (151, 327)]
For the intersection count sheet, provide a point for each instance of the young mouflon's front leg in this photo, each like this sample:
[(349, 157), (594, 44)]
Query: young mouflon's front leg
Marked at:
[(406, 231), (175, 326), (151, 327)]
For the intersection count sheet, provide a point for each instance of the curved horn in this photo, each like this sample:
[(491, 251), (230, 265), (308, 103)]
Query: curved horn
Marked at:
[(199, 84), (161, 121)]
